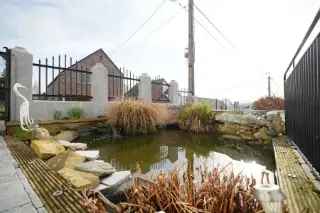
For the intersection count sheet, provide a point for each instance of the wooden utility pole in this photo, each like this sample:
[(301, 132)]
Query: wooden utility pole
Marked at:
[(191, 49)]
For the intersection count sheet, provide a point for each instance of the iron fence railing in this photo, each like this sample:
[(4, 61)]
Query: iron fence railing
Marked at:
[(61, 82), (302, 99), (122, 85)]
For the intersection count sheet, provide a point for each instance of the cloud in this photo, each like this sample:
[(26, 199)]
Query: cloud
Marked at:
[(265, 33)]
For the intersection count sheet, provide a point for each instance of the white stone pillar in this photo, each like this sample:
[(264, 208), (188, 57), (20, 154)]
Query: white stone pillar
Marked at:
[(144, 89), (21, 72), (99, 88), (173, 92)]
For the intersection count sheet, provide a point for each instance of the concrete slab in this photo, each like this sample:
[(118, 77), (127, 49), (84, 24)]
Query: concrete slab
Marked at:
[(12, 195), (28, 208), (16, 194)]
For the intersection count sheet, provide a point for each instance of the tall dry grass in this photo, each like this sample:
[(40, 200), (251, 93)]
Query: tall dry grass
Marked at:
[(196, 117), (217, 192), (131, 117)]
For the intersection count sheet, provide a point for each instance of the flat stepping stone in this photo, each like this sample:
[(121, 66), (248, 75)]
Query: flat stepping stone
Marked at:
[(90, 155), (80, 180), (101, 188), (46, 149), (67, 159), (67, 135), (97, 167), (116, 178), (73, 146)]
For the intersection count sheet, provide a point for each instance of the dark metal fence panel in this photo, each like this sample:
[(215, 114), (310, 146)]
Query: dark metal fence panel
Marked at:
[(160, 90), (5, 62), (302, 96), (123, 84), (61, 82)]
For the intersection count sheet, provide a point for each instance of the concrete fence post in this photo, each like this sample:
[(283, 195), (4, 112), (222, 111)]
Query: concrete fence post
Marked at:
[(21, 72), (173, 92), (99, 88), (144, 88)]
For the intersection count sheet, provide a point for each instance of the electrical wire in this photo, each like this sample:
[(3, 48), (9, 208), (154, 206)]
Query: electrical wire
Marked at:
[(201, 25), (214, 26), (141, 26)]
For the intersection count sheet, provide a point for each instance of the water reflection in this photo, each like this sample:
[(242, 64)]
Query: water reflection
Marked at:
[(171, 150)]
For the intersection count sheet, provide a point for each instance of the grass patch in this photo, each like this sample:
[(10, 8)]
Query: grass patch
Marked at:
[(196, 117)]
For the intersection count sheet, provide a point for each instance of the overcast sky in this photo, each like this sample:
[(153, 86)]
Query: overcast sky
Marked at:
[(265, 35)]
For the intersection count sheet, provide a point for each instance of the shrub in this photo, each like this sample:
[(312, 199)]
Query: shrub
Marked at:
[(269, 103), (75, 113), (21, 135), (57, 115), (134, 117), (196, 117)]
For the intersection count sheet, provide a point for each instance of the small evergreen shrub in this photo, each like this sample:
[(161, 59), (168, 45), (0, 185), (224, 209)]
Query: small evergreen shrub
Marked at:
[(134, 117), (21, 135), (75, 113), (196, 117)]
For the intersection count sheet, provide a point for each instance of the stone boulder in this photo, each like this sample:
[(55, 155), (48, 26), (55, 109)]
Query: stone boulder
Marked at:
[(67, 159), (242, 119), (80, 180), (97, 167), (73, 146), (263, 135), (277, 125), (230, 130), (41, 133), (90, 155), (46, 149), (67, 135), (275, 113)]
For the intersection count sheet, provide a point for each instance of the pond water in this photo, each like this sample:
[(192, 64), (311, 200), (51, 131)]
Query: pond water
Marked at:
[(170, 149)]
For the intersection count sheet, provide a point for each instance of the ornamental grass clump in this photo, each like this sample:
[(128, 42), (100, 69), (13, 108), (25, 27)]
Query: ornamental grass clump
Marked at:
[(134, 117), (196, 117), (217, 192)]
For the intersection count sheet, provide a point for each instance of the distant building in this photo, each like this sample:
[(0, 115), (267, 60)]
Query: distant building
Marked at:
[(76, 82)]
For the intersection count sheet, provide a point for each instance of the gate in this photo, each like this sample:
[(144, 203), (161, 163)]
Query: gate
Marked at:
[(5, 84), (302, 99)]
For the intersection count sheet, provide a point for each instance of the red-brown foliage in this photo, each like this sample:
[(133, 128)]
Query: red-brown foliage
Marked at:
[(269, 103)]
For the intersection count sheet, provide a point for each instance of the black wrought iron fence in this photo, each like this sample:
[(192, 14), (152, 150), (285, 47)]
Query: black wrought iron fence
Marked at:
[(61, 80), (160, 90), (122, 84), (302, 99)]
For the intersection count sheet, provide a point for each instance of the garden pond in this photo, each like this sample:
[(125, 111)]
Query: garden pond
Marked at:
[(174, 149)]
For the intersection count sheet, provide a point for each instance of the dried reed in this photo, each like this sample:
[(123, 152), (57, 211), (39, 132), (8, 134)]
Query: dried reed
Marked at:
[(216, 192)]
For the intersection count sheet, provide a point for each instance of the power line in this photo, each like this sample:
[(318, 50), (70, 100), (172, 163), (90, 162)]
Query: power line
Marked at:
[(214, 26), (141, 26), (202, 26), (162, 25), (210, 34)]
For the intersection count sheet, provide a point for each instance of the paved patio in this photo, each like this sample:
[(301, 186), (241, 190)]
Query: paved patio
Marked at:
[(16, 194)]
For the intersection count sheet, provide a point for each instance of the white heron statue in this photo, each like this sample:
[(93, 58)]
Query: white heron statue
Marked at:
[(26, 123)]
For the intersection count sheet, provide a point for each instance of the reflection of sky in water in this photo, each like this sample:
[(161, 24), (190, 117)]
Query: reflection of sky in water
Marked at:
[(173, 149), (178, 160)]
